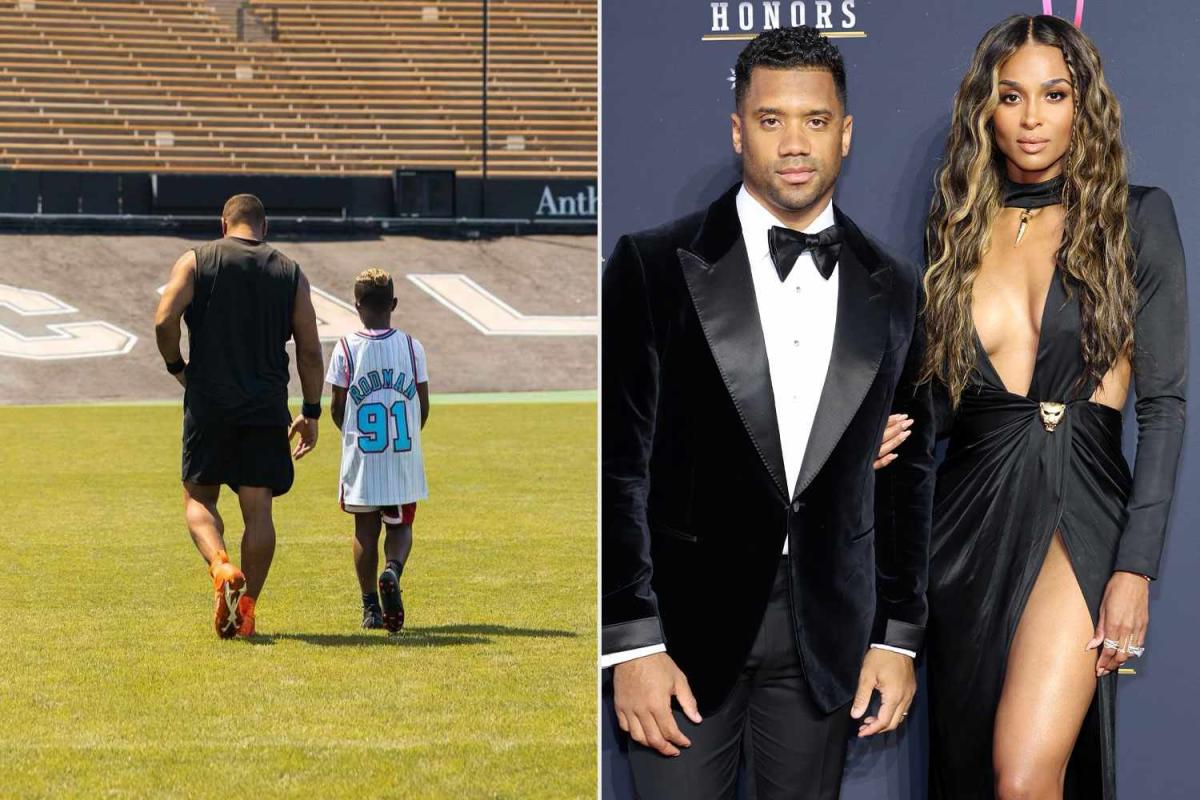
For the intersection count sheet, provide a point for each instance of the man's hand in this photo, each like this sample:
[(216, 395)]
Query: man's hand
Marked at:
[(893, 675), (894, 434), (642, 691), (307, 428)]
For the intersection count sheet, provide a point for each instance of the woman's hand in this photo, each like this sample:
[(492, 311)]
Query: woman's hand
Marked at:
[(894, 434), (1124, 616)]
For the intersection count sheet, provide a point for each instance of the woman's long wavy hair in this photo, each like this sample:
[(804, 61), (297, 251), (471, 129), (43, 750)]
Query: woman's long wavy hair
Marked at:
[(1095, 253)]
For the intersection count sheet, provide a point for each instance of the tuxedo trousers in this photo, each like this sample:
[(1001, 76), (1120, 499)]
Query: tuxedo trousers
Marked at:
[(791, 748)]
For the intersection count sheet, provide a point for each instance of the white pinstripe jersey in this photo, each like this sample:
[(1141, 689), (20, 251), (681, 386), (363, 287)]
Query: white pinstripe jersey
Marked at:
[(382, 464)]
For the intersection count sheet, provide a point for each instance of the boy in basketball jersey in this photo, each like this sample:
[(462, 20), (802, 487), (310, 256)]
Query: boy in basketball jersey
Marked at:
[(380, 403)]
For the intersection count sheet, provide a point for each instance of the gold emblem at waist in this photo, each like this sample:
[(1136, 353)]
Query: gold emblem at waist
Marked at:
[(1052, 414)]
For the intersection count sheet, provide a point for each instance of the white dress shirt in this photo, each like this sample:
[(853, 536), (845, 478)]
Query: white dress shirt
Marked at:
[(798, 317)]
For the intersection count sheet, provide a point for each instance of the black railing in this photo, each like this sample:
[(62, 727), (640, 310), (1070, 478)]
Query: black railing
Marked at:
[(272, 25), (484, 115)]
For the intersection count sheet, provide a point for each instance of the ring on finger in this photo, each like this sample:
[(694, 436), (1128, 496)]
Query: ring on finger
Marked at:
[(1135, 651), (1111, 644)]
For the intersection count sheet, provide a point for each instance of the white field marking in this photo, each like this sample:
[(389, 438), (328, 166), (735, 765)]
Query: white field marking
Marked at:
[(491, 316), (335, 317), (73, 340), (90, 339), (31, 303)]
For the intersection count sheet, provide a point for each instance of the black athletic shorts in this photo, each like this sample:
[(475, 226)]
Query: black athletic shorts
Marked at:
[(215, 452)]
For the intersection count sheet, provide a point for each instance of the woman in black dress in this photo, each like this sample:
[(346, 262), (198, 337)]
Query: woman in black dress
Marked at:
[(1052, 283)]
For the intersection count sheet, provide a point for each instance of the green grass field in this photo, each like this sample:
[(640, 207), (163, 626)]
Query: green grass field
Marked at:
[(113, 684)]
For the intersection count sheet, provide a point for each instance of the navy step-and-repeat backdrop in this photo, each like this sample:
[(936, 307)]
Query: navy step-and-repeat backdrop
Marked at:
[(667, 70)]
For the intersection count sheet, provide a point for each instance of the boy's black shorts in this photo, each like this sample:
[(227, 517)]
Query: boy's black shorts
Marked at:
[(215, 452)]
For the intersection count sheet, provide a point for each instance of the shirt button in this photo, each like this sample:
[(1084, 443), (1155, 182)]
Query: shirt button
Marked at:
[(795, 343), (796, 506), (797, 290)]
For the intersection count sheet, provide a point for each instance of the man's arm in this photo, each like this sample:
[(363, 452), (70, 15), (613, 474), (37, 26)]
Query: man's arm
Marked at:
[(646, 678), (310, 364), (310, 361), (176, 297), (629, 404), (903, 509)]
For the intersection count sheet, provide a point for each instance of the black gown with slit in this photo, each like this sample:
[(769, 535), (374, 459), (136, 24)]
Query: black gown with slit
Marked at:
[(1008, 483)]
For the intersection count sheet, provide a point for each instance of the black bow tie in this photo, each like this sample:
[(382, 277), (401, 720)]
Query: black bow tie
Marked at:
[(787, 245)]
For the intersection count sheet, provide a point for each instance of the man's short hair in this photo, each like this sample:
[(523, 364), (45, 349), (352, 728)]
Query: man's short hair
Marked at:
[(244, 209), (801, 47), (373, 289)]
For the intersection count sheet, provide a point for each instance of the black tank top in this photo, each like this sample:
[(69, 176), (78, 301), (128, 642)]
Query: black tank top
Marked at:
[(239, 321)]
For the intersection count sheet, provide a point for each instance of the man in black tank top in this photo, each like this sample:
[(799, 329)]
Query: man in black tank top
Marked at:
[(242, 300)]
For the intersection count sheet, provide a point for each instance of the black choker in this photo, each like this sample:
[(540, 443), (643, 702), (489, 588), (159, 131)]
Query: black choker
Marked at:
[(1032, 195)]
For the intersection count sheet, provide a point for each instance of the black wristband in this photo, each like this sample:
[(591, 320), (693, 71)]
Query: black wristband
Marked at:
[(311, 410), (176, 367)]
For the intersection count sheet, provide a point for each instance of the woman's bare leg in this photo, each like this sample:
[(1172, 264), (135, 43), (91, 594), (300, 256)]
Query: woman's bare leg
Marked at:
[(1048, 686)]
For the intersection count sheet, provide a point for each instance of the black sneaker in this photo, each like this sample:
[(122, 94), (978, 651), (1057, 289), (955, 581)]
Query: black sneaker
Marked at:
[(372, 618), (393, 606)]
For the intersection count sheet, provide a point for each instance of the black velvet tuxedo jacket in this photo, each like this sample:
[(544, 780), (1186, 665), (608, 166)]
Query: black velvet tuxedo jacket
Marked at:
[(694, 508)]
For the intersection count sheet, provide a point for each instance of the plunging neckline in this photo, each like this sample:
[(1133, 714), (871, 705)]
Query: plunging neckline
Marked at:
[(1037, 353)]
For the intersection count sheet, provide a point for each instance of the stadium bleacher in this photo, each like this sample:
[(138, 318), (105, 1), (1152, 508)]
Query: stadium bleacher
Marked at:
[(340, 87)]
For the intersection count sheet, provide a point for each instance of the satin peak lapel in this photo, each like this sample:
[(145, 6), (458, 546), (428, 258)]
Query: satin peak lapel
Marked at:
[(859, 340), (723, 295)]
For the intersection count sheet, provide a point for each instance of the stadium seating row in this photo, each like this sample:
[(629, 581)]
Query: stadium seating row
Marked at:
[(346, 87)]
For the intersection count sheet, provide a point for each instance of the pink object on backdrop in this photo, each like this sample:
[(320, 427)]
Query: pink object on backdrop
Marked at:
[(1048, 8)]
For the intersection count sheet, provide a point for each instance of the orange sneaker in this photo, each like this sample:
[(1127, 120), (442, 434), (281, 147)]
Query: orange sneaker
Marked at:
[(228, 586), (246, 610)]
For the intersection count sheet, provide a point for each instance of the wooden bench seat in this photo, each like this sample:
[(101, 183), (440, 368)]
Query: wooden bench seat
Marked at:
[(350, 87), (534, 137), (183, 78)]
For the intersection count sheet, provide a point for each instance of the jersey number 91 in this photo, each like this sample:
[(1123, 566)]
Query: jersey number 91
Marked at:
[(373, 428)]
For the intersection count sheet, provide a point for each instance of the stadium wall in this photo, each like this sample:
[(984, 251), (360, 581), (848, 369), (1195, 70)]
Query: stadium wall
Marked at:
[(407, 194)]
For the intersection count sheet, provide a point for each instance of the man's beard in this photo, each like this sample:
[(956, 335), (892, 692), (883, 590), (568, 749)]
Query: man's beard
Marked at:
[(792, 199), (798, 198)]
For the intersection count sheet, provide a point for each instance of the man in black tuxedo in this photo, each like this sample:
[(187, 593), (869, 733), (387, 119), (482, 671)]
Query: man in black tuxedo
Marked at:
[(756, 570)]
